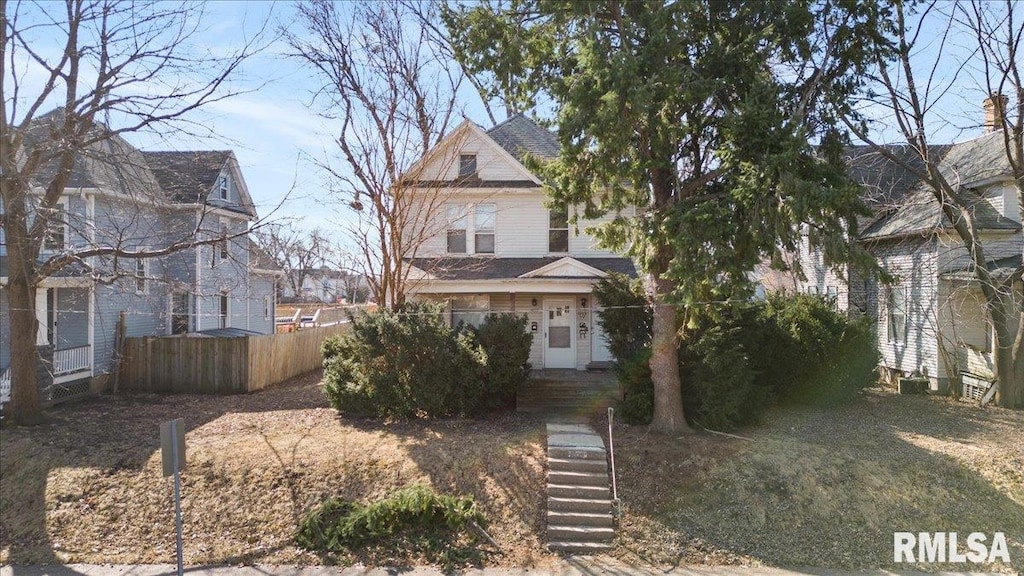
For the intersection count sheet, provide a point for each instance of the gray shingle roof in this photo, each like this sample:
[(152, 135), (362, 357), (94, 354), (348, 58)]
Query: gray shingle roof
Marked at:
[(520, 136), (187, 176), (475, 268), (904, 206), (112, 163)]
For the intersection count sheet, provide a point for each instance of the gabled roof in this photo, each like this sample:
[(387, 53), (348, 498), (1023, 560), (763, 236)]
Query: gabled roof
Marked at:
[(520, 136), (187, 176), (477, 268), (115, 165), (260, 260), (904, 206), (111, 163)]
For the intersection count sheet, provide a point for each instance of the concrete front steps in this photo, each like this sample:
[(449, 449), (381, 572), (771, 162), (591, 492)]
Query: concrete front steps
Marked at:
[(568, 392), (579, 499)]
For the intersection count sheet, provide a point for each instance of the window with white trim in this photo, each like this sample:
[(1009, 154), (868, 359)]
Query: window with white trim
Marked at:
[(223, 186), (470, 309), (141, 276), (896, 303), (467, 165), (56, 235), (483, 228), (558, 231), (266, 307), (457, 224), (223, 309), (181, 312)]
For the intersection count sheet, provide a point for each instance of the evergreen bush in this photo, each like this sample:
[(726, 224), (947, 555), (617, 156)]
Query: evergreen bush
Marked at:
[(410, 363)]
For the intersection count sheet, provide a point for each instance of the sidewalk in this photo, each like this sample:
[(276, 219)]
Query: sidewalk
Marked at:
[(575, 566)]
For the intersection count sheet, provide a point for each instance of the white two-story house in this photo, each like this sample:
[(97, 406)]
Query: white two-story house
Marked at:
[(492, 244)]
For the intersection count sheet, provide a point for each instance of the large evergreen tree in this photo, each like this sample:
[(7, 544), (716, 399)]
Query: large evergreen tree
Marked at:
[(705, 114)]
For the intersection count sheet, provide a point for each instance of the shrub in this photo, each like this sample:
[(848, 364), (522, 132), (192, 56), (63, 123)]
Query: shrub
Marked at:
[(506, 343), (338, 524), (790, 348), (625, 318), (410, 363), (725, 390), (637, 405)]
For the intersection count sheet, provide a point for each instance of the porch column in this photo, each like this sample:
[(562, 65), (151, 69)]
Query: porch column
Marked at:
[(41, 329), (512, 301)]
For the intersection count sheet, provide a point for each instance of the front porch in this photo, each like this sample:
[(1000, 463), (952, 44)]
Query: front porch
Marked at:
[(71, 371), (568, 392)]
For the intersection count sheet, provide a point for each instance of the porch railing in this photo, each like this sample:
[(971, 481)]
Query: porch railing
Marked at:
[(5, 385), (71, 360)]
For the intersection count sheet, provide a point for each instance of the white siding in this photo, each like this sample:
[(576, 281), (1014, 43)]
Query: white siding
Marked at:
[(820, 277), (913, 262), (492, 163), (520, 229)]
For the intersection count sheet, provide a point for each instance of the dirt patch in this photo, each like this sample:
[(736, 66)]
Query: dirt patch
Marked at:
[(816, 487), (87, 487)]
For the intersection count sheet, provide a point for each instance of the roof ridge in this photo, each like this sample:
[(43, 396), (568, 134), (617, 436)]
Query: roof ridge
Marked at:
[(506, 121)]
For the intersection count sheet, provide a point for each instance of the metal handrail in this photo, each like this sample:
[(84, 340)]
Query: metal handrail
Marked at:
[(611, 452)]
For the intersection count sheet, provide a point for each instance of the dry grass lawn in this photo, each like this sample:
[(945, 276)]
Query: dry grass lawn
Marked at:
[(807, 487), (814, 487), (87, 486)]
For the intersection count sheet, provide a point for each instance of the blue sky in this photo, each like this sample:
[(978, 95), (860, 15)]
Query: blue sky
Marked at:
[(277, 136)]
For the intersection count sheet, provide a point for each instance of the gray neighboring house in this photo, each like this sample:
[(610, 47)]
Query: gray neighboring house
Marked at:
[(120, 196), (931, 322)]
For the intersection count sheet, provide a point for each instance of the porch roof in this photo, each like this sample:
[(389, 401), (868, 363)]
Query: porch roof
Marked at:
[(1000, 266), (478, 268)]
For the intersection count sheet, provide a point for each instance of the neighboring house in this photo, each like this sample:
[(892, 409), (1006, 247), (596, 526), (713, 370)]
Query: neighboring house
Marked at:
[(327, 285), (494, 245), (120, 196), (931, 321)]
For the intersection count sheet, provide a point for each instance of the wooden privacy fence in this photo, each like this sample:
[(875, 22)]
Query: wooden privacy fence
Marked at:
[(221, 365)]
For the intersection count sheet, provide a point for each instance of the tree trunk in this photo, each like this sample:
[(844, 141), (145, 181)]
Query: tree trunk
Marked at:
[(668, 396), (24, 408), (1005, 355)]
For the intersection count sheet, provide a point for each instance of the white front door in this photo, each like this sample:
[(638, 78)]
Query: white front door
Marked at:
[(599, 351), (559, 338)]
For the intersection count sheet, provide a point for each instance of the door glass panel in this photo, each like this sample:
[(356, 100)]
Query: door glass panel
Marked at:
[(559, 335)]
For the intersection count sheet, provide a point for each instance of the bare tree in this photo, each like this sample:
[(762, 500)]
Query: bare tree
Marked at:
[(298, 252), (908, 88), (394, 100), (117, 68)]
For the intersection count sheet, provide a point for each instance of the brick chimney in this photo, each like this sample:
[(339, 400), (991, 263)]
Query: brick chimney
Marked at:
[(995, 111)]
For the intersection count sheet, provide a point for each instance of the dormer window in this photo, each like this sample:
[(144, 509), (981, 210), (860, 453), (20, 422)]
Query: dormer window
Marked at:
[(223, 187), (467, 165)]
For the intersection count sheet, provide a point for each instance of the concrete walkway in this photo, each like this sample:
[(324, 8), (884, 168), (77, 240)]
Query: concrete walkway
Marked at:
[(576, 566)]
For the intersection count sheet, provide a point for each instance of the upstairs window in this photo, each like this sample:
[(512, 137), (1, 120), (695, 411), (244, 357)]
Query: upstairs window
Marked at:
[(222, 187), (223, 241), (55, 237), (483, 228), (467, 165), (558, 231), (141, 272), (457, 222)]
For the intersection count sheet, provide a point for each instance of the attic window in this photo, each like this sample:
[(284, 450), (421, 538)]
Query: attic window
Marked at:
[(467, 165), (223, 186)]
